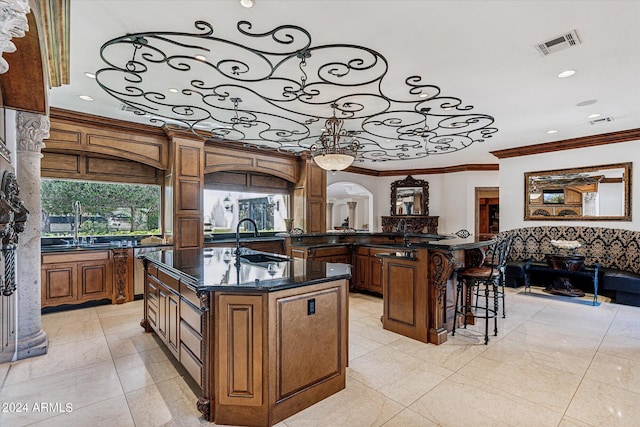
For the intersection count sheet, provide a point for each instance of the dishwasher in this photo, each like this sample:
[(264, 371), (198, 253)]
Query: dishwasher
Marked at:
[(138, 271)]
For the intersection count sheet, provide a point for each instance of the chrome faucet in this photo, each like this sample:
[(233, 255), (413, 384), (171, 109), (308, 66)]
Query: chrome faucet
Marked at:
[(405, 236), (255, 232), (77, 208)]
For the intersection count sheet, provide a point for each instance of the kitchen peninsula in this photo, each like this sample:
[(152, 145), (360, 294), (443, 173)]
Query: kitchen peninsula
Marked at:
[(414, 272), (263, 336)]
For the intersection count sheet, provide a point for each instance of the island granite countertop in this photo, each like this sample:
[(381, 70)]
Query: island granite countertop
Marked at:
[(213, 269)]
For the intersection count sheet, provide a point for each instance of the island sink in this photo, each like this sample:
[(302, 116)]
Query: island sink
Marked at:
[(262, 258)]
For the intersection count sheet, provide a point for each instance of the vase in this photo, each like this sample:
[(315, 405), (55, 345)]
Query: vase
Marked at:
[(288, 224)]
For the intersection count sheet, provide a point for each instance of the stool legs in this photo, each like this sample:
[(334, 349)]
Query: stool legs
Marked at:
[(465, 304)]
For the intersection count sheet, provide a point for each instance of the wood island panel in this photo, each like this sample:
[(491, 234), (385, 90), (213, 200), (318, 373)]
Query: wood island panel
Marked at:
[(405, 305), (304, 362), (240, 357)]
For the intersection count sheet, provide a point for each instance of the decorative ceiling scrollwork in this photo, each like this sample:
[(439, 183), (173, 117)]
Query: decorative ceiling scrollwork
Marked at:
[(275, 89)]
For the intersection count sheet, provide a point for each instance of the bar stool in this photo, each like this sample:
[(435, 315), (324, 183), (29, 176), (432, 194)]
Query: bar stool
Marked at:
[(486, 279), (502, 268)]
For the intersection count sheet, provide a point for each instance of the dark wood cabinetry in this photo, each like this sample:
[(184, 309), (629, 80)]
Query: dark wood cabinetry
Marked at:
[(368, 271), (76, 278), (336, 253)]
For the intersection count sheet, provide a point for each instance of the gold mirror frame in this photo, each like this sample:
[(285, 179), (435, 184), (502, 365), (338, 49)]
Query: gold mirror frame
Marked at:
[(560, 194)]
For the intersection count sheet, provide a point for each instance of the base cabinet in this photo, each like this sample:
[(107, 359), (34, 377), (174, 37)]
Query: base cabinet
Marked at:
[(259, 357), (76, 278), (369, 269)]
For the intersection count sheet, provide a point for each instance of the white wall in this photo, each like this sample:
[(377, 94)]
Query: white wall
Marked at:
[(451, 196), (512, 172)]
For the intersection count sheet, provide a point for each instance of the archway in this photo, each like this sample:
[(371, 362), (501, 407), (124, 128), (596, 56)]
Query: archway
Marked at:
[(340, 194)]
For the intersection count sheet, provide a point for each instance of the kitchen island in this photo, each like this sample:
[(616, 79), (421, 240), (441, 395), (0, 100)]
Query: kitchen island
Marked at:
[(263, 336)]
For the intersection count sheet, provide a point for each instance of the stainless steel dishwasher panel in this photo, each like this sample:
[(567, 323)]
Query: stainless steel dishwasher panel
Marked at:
[(138, 270)]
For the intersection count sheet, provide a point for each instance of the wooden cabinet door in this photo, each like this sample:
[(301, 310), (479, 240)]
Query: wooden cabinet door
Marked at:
[(94, 280), (173, 323), (375, 274), (59, 284), (362, 272)]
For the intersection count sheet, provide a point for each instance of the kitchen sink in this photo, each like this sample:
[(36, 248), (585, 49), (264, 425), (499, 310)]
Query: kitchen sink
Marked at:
[(262, 258)]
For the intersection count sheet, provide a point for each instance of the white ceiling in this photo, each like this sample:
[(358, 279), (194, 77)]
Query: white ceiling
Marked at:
[(480, 51)]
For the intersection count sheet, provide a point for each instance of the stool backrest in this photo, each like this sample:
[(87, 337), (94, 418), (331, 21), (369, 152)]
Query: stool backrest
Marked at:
[(500, 253)]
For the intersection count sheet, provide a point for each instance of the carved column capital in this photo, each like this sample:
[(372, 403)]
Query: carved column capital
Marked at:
[(13, 23), (32, 130)]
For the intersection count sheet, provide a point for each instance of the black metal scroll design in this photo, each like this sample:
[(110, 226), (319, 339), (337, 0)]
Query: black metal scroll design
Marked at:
[(273, 90), (13, 216)]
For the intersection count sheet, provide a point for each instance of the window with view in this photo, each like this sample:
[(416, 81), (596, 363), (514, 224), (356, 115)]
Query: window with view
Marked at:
[(223, 210), (105, 208)]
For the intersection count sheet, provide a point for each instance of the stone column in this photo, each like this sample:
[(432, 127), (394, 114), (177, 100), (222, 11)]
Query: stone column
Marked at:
[(32, 129), (329, 216), (352, 214)]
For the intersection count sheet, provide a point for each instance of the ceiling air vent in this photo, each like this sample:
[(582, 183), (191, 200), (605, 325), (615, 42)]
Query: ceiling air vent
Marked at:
[(127, 108), (601, 120), (561, 42)]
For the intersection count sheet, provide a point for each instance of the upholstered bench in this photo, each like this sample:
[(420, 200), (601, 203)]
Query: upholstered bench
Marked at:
[(617, 251)]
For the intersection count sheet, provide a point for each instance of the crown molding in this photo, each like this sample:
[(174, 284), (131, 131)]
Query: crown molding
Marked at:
[(570, 144)]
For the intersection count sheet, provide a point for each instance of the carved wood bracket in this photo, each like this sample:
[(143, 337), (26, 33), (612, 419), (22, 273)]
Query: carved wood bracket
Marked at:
[(441, 266)]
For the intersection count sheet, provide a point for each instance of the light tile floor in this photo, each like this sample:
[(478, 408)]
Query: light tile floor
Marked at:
[(555, 362)]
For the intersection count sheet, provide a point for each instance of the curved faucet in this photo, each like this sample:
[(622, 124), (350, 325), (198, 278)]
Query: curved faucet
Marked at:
[(255, 232), (77, 208), (405, 236)]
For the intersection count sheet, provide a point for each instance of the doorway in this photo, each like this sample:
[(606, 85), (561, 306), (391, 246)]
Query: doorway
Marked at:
[(487, 212)]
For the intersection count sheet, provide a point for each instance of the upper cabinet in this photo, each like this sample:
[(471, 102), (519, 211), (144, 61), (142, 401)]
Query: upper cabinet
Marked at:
[(588, 193)]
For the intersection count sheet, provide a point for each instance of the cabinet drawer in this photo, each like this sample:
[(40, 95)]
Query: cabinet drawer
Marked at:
[(152, 269), (329, 251), (191, 364), (191, 339), (189, 294), (362, 250), (152, 316), (191, 316), (169, 280)]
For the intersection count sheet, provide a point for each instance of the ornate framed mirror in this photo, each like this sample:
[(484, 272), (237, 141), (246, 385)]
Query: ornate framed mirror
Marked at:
[(410, 197), (593, 193)]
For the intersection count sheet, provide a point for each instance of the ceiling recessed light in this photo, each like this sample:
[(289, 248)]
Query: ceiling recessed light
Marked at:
[(587, 102), (423, 95), (90, 75), (201, 57), (173, 90), (85, 97), (247, 3), (552, 131), (566, 73), (594, 115)]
